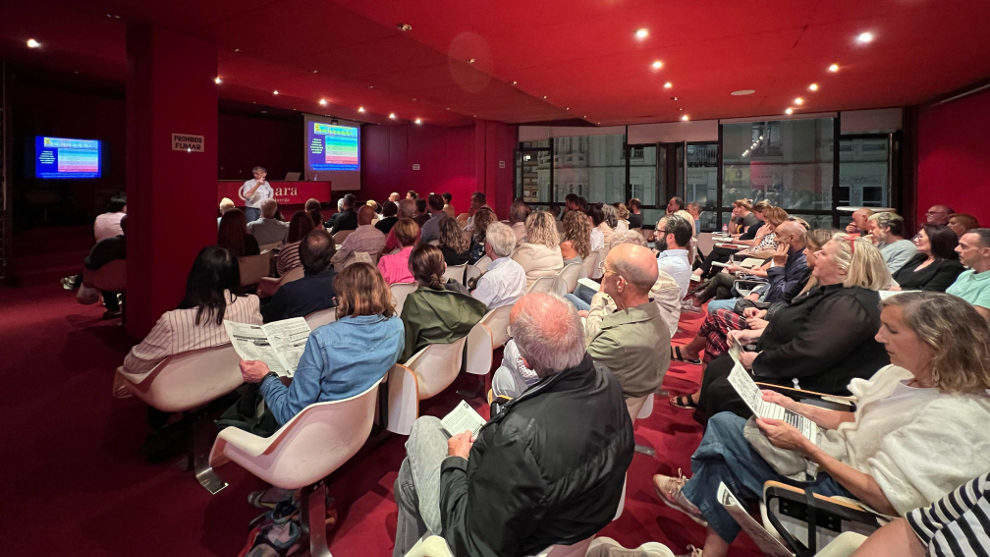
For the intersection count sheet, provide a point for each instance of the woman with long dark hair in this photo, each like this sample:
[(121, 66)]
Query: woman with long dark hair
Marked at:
[(936, 265), (288, 256), (234, 236)]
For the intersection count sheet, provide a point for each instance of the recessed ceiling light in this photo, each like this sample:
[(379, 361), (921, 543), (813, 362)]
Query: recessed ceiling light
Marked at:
[(515, 83), (361, 109), (742, 92), (544, 97), (275, 92), (668, 85), (391, 116), (642, 33), (263, 111), (799, 101), (418, 121), (323, 102), (674, 98), (567, 108), (371, 86), (31, 43), (813, 87), (865, 37), (446, 108), (316, 71), (833, 68), (657, 64), (404, 27), (685, 118), (472, 60), (217, 80), (236, 50), (789, 111)]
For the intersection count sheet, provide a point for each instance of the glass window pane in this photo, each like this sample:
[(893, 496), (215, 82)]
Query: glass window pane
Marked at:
[(651, 216), (816, 221), (593, 167), (643, 173), (533, 176), (864, 180)]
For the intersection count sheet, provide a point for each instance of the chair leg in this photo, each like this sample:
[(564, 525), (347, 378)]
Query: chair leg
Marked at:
[(316, 516), (202, 441)]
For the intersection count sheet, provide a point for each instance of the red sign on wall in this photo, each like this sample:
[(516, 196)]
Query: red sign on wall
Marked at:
[(286, 193)]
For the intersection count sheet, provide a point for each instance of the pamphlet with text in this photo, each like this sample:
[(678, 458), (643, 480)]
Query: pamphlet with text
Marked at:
[(279, 344)]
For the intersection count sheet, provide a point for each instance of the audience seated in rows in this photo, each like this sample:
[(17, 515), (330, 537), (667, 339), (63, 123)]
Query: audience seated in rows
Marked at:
[(109, 249), (478, 202), (887, 230), (505, 280), (601, 227), (437, 312), (673, 237), (364, 239), (233, 235), (518, 213), (431, 227), (197, 322), (453, 241), (226, 204), (744, 223), (312, 209), (406, 210), (540, 255), (622, 217), (575, 244), (314, 291), (961, 223), (935, 266), (448, 207), (288, 255), (268, 229), (341, 359), (526, 482), (819, 342), (346, 219), (421, 214), (973, 285), (389, 218), (922, 405), (860, 223), (394, 267)]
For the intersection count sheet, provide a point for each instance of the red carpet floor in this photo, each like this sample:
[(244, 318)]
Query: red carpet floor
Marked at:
[(74, 482)]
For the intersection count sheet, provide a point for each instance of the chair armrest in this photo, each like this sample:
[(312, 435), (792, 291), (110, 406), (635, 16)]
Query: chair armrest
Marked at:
[(817, 511), (403, 399), (838, 402)]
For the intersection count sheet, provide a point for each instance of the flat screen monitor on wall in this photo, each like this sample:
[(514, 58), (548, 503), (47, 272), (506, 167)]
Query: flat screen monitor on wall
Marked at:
[(61, 157), (333, 151)]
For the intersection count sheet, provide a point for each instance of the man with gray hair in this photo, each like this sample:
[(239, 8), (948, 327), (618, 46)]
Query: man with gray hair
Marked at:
[(268, 229), (505, 280), (549, 466)]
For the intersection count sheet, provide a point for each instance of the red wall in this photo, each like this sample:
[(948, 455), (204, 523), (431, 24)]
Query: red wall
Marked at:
[(247, 141), (954, 157)]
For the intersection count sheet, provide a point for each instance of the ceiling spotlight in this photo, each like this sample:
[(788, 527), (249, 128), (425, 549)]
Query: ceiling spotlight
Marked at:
[(685, 118), (371, 86), (668, 85), (515, 83), (275, 92), (674, 98), (833, 68), (567, 108), (813, 87), (742, 92), (31, 43), (404, 27), (472, 60), (236, 50), (642, 33), (864, 38), (316, 71), (657, 64), (446, 108), (789, 111), (544, 97), (217, 80), (361, 109), (391, 116), (418, 121), (799, 101), (323, 102)]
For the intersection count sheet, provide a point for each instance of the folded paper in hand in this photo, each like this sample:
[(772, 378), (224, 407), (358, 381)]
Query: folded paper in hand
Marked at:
[(462, 418), (279, 344)]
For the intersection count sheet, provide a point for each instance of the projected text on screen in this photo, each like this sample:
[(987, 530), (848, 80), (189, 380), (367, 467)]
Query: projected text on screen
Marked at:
[(333, 147), (59, 157)]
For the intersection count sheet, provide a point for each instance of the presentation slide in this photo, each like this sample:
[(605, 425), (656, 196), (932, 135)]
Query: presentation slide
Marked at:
[(59, 157), (333, 151)]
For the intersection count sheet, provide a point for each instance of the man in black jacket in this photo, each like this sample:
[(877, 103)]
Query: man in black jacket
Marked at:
[(547, 469)]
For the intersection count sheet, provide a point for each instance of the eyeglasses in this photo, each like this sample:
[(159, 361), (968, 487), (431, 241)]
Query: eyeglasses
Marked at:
[(935, 212)]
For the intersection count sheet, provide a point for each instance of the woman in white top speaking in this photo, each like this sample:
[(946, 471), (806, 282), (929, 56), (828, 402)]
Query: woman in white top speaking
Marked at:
[(254, 191)]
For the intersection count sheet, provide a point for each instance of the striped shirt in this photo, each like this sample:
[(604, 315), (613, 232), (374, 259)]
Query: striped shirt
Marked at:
[(288, 258), (176, 332), (956, 524)]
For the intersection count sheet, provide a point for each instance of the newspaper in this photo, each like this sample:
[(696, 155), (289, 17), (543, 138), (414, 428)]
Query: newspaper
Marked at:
[(462, 418), (767, 542), (279, 344), (747, 389)]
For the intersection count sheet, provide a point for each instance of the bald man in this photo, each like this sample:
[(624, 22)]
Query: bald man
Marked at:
[(860, 221), (633, 341), (365, 238), (938, 214)]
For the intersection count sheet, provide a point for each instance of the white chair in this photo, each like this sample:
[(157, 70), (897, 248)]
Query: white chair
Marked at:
[(313, 444), (566, 280), (479, 268), (455, 272), (269, 247), (268, 286), (480, 345), (320, 318), (641, 408), (399, 292), (254, 267), (497, 321), (426, 373), (591, 264), (542, 284)]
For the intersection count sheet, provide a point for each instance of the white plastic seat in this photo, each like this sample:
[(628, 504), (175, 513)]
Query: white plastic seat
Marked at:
[(455, 272), (425, 374), (497, 321), (269, 247), (566, 280), (254, 267), (478, 358), (479, 268), (542, 284), (399, 292), (268, 286), (321, 318), (189, 380), (641, 408), (591, 264)]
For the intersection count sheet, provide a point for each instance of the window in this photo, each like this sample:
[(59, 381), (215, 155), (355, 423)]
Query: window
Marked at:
[(701, 181), (593, 167), (864, 171)]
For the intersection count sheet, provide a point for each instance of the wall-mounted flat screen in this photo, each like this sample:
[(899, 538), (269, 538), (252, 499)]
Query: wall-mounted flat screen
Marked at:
[(333, 151), (61, 157)]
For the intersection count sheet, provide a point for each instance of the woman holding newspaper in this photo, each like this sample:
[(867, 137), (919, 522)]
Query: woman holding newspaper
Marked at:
[(910, 440)]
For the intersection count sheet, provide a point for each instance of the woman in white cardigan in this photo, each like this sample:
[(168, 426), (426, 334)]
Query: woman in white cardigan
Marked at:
[(918, 430), (540, 255)]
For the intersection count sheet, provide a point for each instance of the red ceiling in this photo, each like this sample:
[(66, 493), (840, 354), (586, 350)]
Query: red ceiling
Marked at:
[(581, 54)]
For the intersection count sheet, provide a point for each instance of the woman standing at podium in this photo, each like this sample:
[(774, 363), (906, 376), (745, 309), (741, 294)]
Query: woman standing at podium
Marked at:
[(254, 192)]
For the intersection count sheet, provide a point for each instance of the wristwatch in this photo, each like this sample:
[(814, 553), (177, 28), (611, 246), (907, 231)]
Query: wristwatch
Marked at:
[(271, 374)]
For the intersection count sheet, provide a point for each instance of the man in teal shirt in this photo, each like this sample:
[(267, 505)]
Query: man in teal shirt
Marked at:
[(974, 285)]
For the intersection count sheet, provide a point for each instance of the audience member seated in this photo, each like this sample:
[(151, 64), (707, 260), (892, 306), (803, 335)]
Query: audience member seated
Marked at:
[(268, 229), (197, 322), (389, 218), (341, 359), (764, 246), (107, 250), (478, 201), (288, 255), (631, 340), (346, 219), (714, 332), (635, 213), (887, 229), (421, 215), (973, 285), (455, 243), (233, 235), (939, 215), (365, 239), (673, 237), (226, 204), (601, 228), (860, 223), (576, 242), (481, 219), (760, 210), (505, 280), (540, 255), (743, 225), (314, 291), (675, 204), (107, 225), (694, 209), (395, 266), (518, 214), (822, 340), (448, 207), (312, 209), (622, 217), (548, 468), (935, 266), (961, 223), (411, 194), (431, 227), (435, 313), (922, 406)]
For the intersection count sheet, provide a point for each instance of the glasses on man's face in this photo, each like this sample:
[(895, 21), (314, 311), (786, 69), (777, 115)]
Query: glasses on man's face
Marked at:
[(934, 212)]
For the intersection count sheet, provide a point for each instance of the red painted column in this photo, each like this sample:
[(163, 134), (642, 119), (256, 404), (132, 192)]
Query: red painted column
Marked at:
[(171, 194)]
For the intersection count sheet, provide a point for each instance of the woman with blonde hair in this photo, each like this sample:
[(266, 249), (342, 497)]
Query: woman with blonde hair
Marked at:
[(622, 214), (576, 244), (913, 437), (540, 254)]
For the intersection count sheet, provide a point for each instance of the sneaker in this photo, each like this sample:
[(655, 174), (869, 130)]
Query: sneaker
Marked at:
[(607, 547), (668, 488)]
